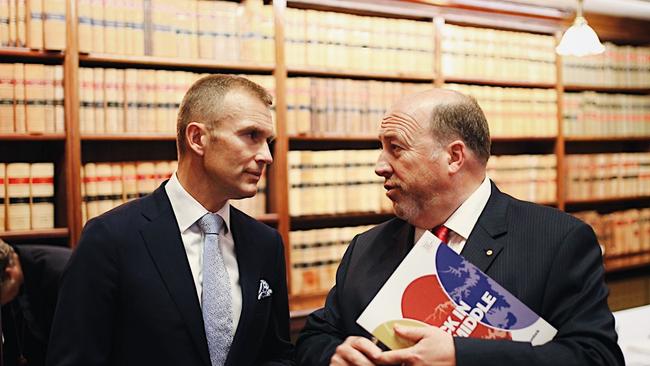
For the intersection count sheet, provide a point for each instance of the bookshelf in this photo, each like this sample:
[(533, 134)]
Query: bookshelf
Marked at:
[(73, 147)]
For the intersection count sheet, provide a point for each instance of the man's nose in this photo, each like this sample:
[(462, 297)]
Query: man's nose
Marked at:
[(382, 168)]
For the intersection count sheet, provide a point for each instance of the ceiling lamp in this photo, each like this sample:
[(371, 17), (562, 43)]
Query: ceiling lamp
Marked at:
[(580, 39)]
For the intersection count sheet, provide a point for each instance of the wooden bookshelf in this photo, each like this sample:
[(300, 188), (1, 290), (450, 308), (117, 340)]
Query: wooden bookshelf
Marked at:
[(105, 60), (333, 138), (307, 222), (627, 261), (32, 136), (595, 139), (385, 76), (26, 54), (505, 139), (129, 137), (606, 89), (496, 82), (35, 234), (301, 305), (606, 201), (269, 218)]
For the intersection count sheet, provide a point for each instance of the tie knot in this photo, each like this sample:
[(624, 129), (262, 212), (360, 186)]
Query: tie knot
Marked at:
[(442, 232), (210, 223)]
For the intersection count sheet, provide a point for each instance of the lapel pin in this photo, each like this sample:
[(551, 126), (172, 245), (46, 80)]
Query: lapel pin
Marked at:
[(489, 252)]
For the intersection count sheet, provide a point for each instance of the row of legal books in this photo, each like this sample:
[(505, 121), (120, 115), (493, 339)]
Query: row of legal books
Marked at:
[(108, 185), (136, 100), (26, 196), (515, 112), (621, 232), (35, 24), (315, 256), (335, 181), (600, 176), (31, 98), (341, 106), (470, 52), (359, 43), (527, 177), (607, 115), (218, 30), (618, 66)]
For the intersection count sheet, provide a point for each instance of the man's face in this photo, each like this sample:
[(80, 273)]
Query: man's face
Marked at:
[(413, 164), (238, 150)]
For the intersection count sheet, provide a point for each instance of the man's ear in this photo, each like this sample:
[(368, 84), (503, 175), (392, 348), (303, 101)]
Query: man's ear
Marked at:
[(196, 137), (456, 151)]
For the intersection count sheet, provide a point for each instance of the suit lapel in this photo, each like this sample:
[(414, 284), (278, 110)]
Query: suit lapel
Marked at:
[(249, 265), (165, 246), (483, 246)]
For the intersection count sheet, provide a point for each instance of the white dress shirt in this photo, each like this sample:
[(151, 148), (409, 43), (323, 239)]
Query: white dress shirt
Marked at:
[(187, 211), (462, 221)]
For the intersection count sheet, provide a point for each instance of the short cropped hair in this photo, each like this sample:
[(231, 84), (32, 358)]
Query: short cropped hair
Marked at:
[(463, 118), (203, 102)]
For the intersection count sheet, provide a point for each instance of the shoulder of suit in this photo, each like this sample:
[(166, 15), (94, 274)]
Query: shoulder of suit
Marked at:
[(524, 209)]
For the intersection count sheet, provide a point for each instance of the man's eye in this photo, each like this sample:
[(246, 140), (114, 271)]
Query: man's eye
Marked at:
[(395, 147), (253, 135)]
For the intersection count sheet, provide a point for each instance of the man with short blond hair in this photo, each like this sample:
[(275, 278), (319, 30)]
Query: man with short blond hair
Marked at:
[(180, 277)]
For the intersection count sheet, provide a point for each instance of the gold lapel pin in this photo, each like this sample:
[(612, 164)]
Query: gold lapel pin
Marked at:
[(489, 252)]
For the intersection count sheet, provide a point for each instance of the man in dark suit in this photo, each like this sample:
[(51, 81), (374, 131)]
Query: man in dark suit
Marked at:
[(180, 277), (34, 273), (435, 147)]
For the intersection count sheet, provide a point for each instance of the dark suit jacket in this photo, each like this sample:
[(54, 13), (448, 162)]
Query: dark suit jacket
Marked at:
[(548, 259), (26, 320), (128, 297)]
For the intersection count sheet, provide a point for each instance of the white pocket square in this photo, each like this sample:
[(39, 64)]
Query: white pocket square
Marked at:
[(264, 291)]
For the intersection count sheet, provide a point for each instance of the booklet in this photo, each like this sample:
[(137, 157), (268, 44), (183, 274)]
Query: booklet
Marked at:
[(435, 286)]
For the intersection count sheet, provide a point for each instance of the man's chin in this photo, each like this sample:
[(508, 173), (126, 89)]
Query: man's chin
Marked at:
[(404, 212)]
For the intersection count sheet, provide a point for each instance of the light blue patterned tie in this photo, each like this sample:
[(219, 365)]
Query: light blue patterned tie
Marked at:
[(216, 298)]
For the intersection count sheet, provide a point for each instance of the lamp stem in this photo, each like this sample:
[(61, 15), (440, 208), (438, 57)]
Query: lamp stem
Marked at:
[(579, 10)]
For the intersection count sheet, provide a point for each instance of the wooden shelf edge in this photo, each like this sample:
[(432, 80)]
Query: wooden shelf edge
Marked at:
[(303, 304), (605, 138), (318, 217), (187, 63), (268, 218), (129, 137), (35, 234), (549, 139), (364, 138), (332, 137), (607, 89), (606, 200), (32, 136), (626, 262), (26, 53), (399, 76), (496, 82)]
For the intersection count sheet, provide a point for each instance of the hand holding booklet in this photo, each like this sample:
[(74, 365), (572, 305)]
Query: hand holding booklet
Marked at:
[(435, 286)]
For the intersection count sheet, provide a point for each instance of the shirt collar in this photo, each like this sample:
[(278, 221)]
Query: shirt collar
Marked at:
[(463, 220), (187, 209)]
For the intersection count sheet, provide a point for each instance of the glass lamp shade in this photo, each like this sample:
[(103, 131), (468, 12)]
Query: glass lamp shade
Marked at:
[(580, 40)]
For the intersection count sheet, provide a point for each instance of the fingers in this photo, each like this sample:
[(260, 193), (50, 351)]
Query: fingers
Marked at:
[(395, 357), (355, 351), (413, 334)]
